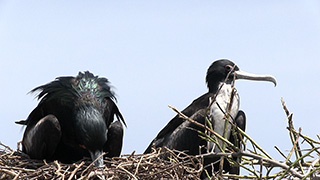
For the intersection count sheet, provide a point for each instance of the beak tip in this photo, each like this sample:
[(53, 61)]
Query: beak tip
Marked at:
[(97, 157), (273, 80)]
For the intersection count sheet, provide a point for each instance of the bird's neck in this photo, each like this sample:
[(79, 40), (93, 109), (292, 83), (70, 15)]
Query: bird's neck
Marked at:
[(90, 126), (214, 86)]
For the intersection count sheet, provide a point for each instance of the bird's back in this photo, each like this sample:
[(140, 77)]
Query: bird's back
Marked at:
[(198, 105)]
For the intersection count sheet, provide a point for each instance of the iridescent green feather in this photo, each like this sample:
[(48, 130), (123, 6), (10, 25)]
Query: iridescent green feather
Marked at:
[(96, 88)]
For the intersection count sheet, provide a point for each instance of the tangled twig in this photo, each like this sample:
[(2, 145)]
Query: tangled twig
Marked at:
[(16, 165)]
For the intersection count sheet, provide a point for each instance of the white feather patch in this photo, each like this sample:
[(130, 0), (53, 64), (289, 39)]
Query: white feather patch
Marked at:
[(219, 108)]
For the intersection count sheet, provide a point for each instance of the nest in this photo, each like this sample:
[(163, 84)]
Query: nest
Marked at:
[(17, 165), (302, 161)]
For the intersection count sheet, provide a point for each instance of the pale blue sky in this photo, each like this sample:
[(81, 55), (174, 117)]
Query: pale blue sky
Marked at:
[(156, 53)]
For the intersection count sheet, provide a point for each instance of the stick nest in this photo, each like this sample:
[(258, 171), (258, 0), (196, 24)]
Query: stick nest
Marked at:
[(17, 165), (301, 162)]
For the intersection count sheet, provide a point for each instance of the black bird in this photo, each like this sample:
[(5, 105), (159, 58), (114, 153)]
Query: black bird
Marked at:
[(74, 118), (182, 135)]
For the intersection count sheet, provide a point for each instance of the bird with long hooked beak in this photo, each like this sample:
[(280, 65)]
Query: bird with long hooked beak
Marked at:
[(221, 100), (74, 118)]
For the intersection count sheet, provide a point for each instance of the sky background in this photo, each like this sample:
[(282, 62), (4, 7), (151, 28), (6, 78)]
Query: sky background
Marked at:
[(156, 53)]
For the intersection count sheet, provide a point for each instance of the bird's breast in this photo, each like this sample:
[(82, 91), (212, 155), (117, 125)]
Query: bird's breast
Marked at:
[(221, 106)]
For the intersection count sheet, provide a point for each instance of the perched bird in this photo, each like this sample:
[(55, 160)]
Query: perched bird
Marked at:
[(183, 135), (74, 118)]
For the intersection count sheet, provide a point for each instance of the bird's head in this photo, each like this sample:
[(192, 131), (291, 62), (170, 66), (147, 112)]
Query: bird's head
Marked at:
[(91, 131), (90, 125), (224, 70)]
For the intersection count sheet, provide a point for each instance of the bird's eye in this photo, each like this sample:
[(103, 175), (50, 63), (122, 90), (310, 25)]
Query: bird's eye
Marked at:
[(228, 68)]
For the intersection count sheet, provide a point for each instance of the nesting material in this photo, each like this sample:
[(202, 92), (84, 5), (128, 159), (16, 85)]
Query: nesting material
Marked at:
[(17, 165)]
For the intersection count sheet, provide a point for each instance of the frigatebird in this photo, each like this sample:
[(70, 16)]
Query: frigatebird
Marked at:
[(74, 119), (183, 135)]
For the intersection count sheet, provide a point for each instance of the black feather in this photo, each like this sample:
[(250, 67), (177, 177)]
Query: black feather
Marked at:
[(84, 106), (183, 135)]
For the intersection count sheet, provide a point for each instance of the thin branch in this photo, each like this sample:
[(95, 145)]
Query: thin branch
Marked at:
[(281, 153), (218, 135), (290, 124), (75, 170), (255, 156), (203, 126)]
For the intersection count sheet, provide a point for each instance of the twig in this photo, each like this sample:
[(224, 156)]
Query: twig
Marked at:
[(133, 176), (12, 173), (218, 135), (290, 124), (7, 147), (137, 168), (281, 153), (311, 172), (254, 143), (75, 170), (201, 125), (293, 148), (58, 169), (255, 156), (92, 163), (312, 165), (17, 176), (297, 161)]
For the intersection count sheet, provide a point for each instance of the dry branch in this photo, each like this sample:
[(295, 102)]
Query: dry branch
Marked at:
[(251, 159), (16, 165)]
